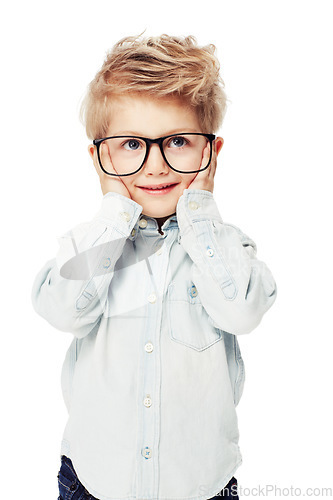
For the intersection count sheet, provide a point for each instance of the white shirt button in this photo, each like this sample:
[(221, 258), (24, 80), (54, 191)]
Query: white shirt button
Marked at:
[(193, 205), (146, 452), (210, 252), (143, 223), (147, 401), (126, 216), (149, 347), (106, 263), (152, 298)]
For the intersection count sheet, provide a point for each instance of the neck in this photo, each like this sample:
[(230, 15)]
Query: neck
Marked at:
[(161, 220)]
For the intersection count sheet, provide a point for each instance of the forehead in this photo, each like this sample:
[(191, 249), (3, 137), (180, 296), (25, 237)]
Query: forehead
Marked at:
[(151, 117)]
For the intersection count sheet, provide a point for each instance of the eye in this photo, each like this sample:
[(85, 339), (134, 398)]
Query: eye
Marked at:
[(131, 145), (177, 142)]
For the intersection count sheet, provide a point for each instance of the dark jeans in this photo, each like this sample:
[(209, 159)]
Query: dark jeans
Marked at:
[(70, 487), (229, 492)]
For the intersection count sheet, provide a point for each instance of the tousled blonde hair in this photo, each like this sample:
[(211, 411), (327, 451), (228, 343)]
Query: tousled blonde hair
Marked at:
[(163, 66)]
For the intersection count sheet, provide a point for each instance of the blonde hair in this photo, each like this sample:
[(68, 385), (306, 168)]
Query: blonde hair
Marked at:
[(163, 66)]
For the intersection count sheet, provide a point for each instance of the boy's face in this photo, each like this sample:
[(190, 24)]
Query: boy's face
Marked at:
[(144, 116)]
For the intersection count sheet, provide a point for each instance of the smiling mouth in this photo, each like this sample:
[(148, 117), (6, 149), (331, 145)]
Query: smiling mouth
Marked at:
[(158, 190), (158, 187)]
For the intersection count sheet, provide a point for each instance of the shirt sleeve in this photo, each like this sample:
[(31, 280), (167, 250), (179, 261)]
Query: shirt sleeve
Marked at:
[(70, 291), (235, 288)]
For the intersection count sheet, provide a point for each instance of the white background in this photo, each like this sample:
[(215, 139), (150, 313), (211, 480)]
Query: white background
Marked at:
[(273, 181)]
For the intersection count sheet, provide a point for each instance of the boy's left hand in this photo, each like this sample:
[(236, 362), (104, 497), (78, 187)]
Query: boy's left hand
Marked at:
[(205, 179)]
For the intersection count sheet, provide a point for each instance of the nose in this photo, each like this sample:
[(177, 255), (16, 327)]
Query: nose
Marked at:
[(155, 163)]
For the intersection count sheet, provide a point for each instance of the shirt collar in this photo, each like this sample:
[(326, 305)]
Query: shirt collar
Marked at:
[(149, 226)]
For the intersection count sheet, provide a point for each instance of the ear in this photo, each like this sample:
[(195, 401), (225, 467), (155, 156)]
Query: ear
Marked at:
[(219, 141), (91, 149)]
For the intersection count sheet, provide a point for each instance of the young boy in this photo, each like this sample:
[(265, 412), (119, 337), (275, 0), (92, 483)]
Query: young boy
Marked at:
[(155, 288)]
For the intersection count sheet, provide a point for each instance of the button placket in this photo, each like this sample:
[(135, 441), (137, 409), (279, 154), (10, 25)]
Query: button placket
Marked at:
[(150, 372), (150, 364)]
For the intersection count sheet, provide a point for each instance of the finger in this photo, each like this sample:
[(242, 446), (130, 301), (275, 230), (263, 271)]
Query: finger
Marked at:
[(106, 159), (205, 157)]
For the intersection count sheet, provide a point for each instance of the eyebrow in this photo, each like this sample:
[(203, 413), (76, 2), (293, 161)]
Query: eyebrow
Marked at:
[(129, 133)]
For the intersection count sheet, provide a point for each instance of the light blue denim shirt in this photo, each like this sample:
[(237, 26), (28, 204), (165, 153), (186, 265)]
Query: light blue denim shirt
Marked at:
[(154, 371)]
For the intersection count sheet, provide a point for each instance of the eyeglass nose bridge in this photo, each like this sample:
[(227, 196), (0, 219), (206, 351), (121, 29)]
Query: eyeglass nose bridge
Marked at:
[(149, 142)]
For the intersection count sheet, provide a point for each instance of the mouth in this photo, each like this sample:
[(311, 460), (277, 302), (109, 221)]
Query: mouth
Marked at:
[(158, 189)]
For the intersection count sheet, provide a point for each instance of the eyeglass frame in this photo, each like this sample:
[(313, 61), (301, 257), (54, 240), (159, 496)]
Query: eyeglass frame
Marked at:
[(149, 142)]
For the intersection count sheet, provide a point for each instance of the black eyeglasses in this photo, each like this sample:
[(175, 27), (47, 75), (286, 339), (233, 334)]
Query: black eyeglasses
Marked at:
[(183, 152)]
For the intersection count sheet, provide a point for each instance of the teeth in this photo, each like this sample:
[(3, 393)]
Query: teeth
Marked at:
[(154, 189)]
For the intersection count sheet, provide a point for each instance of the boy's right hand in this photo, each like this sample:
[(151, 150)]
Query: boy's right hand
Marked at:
[(109, 183)]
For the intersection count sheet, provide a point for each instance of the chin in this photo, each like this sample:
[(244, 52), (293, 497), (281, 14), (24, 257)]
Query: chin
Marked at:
[(166, 212)]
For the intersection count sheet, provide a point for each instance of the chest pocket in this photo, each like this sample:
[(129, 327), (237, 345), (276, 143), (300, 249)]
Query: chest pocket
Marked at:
[(188, 321)]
